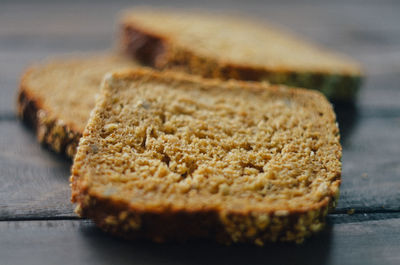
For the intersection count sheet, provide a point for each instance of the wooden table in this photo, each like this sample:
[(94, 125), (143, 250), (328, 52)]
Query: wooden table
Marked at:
[(37, 223)]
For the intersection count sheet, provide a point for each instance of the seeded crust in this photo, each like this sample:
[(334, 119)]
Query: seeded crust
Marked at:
[(141, 171), (163, 48), (56, 97)]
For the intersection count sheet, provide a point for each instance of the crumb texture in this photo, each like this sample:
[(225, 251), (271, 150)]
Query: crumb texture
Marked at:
[(167, 143), (65, 89)]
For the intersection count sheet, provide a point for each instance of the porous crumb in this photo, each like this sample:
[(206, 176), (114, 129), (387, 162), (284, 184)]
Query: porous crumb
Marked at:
[(199, 146)]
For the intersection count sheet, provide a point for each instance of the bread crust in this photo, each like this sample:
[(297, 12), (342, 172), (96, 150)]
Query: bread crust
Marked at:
[(162, 52), (120, 219), (58, 111), (50, 131), (256, 227)]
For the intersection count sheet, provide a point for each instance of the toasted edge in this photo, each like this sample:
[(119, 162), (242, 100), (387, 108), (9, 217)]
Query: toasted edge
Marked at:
[(162, 52), (122, 219), (50, 131)]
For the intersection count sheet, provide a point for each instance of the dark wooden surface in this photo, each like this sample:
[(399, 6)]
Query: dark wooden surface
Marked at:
[(37, 223), (78, 242)]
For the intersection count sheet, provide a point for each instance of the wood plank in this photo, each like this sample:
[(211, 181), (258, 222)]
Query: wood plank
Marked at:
[(381, 91), (338, 13), (34, 181), (42, 26), (370, 170), (334, 25), (78, 242)]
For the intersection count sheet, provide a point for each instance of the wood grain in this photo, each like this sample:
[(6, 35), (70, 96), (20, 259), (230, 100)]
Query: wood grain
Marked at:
[(33, 181), (79, 242)]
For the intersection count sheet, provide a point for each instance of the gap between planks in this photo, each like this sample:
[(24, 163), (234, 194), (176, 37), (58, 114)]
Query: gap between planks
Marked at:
[(335, 218)]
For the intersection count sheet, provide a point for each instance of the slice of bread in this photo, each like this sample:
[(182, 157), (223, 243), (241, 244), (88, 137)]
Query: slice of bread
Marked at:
[(227, 47), (56, 97), (169, 156)]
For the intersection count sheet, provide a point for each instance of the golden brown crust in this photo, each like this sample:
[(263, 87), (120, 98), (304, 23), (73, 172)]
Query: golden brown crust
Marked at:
[(58, 136), (130, 221), (118, 218), (161, 52)]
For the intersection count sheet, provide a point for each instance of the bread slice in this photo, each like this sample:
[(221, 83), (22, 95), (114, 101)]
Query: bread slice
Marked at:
[(227, 47), (56, 97), (169, 156)]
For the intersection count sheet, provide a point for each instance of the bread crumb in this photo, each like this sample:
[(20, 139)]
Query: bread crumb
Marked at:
[(255, 180), (110, 127)]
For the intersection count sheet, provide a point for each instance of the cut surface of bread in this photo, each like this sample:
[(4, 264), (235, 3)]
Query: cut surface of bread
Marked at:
[(56, 96), (229, 47), (169, 156)]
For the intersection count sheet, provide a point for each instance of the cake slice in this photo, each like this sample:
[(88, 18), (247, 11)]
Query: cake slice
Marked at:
[(168, 156), (229, 47), (56, 97)]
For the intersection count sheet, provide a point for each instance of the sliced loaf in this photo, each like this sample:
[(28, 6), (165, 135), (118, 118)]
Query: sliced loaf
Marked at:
[(168, 156), (56, 97), (228, 47)]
